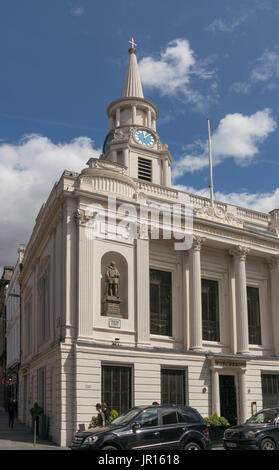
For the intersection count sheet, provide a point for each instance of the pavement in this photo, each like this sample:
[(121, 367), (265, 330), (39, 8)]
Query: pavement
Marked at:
[(20, 437)]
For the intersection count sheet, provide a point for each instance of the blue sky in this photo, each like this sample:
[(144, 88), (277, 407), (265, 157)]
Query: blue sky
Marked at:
[(63, 62)]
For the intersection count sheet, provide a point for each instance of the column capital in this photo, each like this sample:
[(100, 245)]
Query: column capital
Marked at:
[(240, 252), (198, 242)]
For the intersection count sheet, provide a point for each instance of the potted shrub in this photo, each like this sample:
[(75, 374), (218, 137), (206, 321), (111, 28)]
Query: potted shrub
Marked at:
[(217, 426), (36, 411), (113, 415)]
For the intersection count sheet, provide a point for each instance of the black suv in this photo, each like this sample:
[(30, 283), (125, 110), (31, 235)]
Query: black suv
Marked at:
[(148, 427), (260, 432)]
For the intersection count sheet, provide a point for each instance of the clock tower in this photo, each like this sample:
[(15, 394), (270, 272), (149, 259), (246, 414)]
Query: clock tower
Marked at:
[(132, 139)]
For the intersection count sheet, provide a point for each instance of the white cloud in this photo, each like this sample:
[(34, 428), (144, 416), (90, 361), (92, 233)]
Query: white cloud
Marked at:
[(28, 171), (263, 71), (237, 136), (79, 11), (219, 24), (266, 68), (262, 202), (173, 73)]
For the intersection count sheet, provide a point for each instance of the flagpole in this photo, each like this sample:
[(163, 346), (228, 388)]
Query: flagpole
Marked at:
[(210, 166)]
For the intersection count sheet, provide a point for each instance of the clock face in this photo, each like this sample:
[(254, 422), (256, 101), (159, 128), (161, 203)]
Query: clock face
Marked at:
[(144, 137), (106, 143)]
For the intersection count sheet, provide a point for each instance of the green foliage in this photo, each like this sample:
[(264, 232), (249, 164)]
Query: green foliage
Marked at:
[(216, 420), (94, 421), (36, 410), (113, 415)]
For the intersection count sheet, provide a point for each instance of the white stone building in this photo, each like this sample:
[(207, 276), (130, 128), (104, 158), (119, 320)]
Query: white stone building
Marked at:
[(197, 326), (13, 314)]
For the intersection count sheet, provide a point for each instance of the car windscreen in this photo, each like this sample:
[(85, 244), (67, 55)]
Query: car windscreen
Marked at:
[(125, 418), (263, 417)]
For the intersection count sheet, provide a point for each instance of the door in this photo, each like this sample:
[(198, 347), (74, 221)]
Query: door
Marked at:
[(228, 407), (148, 435)]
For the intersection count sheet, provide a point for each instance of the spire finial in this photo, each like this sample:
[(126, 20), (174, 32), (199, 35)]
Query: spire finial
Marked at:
[(132, 87), (133, 46)]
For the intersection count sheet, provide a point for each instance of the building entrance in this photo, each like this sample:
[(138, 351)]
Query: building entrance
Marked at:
[(228, 406)]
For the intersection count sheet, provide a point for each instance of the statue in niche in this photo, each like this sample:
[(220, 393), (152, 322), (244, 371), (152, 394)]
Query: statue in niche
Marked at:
[(112, 281), (111, 301)]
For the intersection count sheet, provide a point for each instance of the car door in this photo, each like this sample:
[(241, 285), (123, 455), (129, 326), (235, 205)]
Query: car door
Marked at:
[(171, 430), (147, 434)]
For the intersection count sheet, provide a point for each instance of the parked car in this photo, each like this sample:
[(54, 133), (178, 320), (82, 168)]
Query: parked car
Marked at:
[(260, 432), (148, 427)]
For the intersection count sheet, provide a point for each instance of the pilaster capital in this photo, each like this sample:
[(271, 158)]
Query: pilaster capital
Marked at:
[(273, 262), (198, 242), (240, 252)]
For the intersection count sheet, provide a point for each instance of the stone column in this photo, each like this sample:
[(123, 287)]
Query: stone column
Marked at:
[(148, 118), (126, 157), (165, 172), (117, 119), (239, 254), (195, 295), (113, 156), (242, 397), (273, 264), (143, 304), (134, 114), (215, 400)]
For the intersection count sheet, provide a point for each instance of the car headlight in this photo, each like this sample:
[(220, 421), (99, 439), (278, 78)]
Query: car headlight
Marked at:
[(249, 435), (90, 439)]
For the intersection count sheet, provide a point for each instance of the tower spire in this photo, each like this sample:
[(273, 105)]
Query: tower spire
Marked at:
[(132, 87)]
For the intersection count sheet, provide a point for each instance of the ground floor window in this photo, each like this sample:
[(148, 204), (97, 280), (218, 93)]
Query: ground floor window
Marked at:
[(270, 390), (116, 387), (173, 386), (160, 302)]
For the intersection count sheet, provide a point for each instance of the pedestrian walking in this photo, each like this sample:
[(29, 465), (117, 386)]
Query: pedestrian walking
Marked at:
[(101, 417), (105, 410), (12, 412)]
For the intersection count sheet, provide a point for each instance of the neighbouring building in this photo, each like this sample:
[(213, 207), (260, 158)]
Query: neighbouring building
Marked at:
[(124, 319), (4, 384), (13, 326)]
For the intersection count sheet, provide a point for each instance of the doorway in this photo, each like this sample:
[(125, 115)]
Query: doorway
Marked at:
[(228, 406)]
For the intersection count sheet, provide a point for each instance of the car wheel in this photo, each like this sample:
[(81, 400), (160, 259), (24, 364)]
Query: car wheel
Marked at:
[(108, 448), (192, 446), (267, 444)]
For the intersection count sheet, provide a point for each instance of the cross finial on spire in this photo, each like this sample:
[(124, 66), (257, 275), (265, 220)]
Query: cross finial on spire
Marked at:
[(132, 42)]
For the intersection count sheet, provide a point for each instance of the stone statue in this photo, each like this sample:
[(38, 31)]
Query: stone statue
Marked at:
[(112, 277)]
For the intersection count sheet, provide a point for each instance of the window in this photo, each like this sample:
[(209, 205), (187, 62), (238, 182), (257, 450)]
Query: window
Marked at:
[(41, 388), (270, 390), (254, 317), (116, 387), (148, 418), (144, 169), (44, 306), (188, 416), (169, 417), (28, 325), (173, 389), (210, 310), (160, 302)]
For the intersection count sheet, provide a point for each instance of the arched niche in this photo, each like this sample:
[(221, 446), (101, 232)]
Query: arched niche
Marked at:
[(122, 266)]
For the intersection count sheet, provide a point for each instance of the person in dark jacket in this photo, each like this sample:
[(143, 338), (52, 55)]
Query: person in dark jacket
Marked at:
[(101, 417), (12, 412), (106, 412)]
